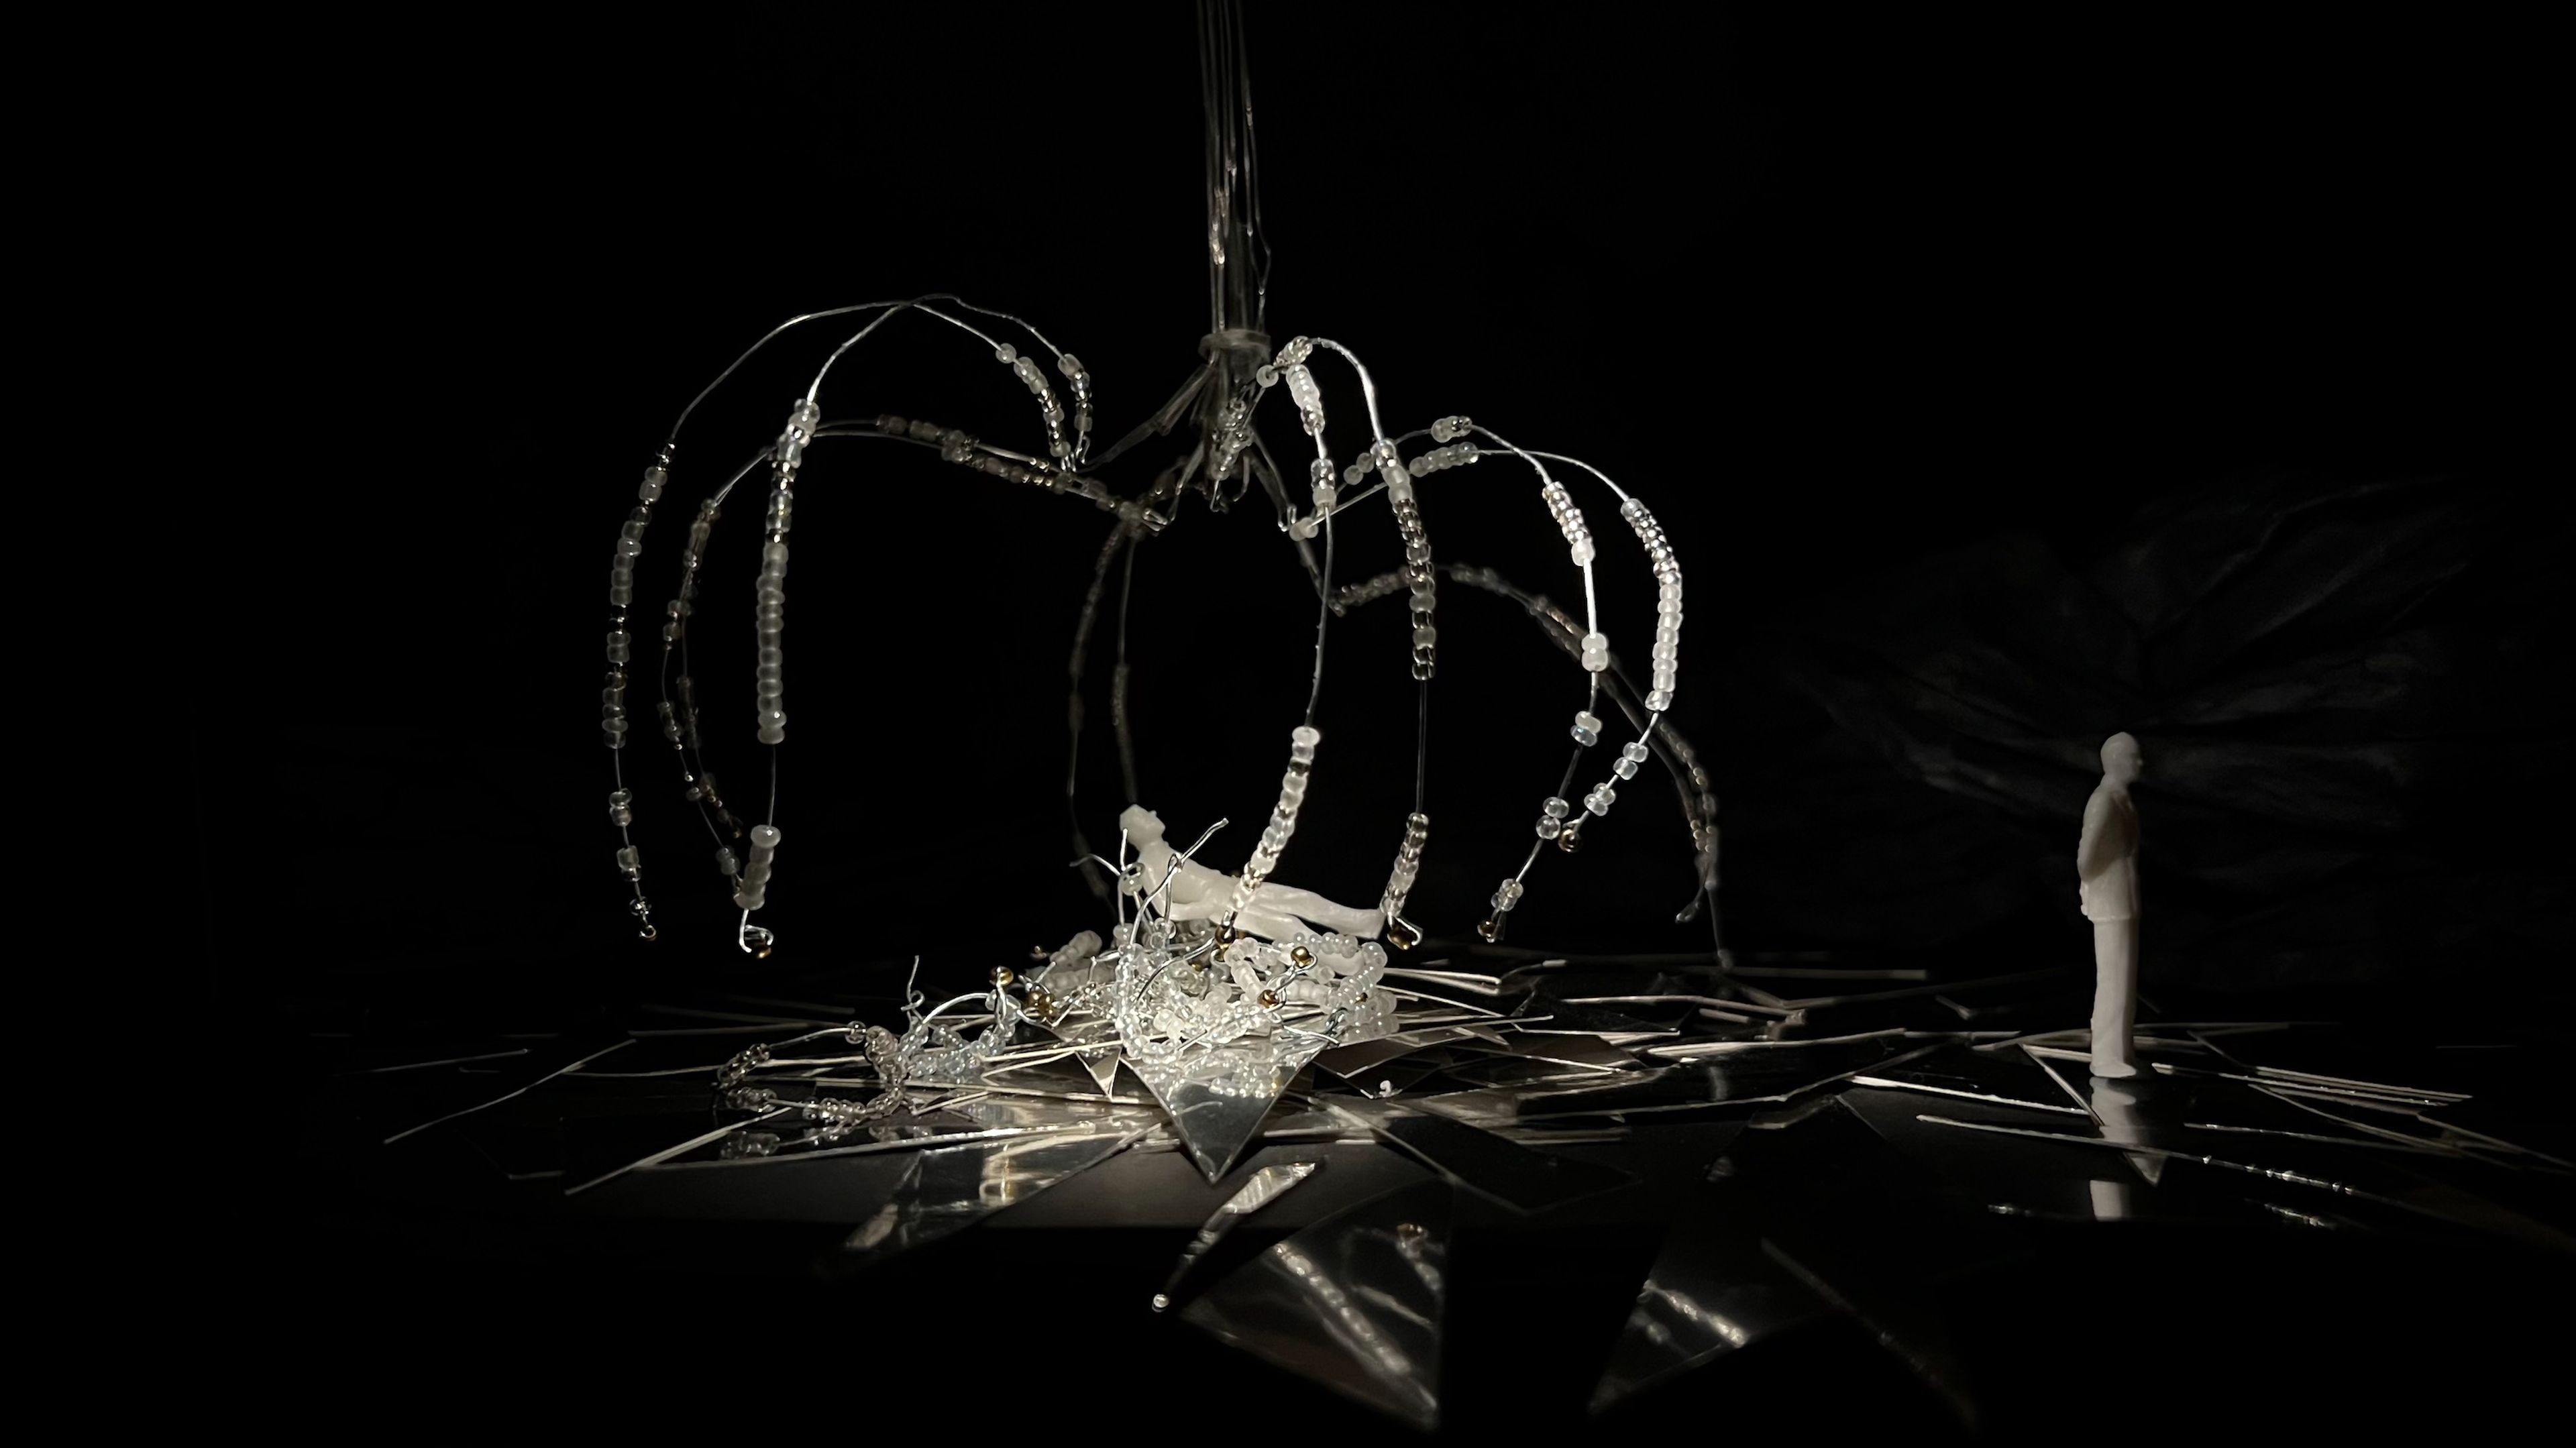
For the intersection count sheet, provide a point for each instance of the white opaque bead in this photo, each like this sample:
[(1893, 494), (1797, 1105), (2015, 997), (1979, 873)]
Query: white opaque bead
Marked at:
[(1308, 397), (751, 891), (1408, 864), (1660, 700)]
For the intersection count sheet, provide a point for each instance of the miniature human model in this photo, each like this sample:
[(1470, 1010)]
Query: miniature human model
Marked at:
[(1277, 912), (2106, 866)]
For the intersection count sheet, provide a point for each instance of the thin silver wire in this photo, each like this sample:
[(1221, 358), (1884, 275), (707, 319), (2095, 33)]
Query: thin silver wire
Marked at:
[(773, 333)]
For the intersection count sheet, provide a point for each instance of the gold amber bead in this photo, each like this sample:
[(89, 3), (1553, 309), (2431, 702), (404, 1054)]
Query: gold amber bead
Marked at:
[(1269, 999), (1488, 929), (1401, 937), (1570, 842), (1004, 975), (1301, 955)]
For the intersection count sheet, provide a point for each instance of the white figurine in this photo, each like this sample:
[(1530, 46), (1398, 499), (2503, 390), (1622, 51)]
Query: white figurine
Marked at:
[(1199, 893), (2106, 864)]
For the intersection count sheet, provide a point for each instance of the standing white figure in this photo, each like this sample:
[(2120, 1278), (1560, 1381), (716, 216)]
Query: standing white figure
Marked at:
[(2106, 867), (1276, 912)]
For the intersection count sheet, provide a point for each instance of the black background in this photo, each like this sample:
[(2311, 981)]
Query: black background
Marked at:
[(1834, 295), (1838, 294)]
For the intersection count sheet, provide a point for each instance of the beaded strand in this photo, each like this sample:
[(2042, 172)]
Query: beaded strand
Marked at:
[(612, 697), (678, 716), (1668, 603), (1399, 881), (698, 783)]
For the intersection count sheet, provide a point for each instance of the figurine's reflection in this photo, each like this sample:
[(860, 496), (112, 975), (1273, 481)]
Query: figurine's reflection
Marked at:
[(2115, 1105)]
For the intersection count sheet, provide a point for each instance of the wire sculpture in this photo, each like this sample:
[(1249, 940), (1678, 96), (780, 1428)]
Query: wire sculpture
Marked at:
[(1197, 964)]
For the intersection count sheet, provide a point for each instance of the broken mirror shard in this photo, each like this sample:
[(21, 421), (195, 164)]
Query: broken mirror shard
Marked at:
[(950, 1188), (1217, 1098), (1519, 1177), (1712, 1290), (1265, 1186), (1357, 1302)]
